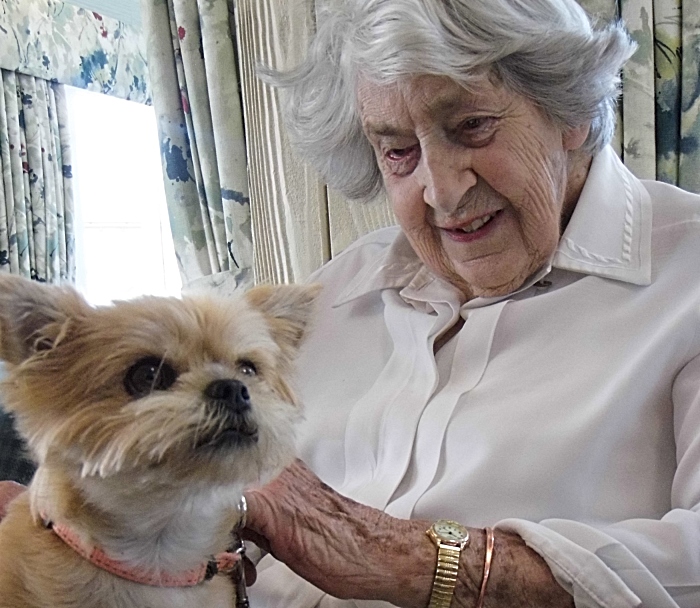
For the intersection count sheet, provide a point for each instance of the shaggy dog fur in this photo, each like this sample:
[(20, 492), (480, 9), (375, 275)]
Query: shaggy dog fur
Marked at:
[(146, 419)]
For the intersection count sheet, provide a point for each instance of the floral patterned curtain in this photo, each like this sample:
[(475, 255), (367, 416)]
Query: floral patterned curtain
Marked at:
[(193, 67), (36, 207), (45, 44), (659, 124), (63, 43)]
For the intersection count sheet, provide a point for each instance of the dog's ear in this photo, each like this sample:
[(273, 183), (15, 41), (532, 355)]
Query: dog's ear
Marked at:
[(34, 316), (288, 309)]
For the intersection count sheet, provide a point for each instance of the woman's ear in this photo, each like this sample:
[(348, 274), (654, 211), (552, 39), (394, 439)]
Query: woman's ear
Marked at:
[(574, 137)]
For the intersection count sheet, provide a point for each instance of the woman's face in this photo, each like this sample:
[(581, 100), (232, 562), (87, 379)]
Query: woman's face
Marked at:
[(479, 180)]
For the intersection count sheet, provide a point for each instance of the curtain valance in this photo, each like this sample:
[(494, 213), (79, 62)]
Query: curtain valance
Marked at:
[(62, 43)]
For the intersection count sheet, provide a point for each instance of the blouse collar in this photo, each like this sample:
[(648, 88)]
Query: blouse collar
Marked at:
[(609, 234)]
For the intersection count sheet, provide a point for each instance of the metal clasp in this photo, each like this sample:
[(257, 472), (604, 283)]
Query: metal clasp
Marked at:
[(238, 574)]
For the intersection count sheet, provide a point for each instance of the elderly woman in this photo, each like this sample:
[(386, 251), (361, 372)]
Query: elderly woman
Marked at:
[(521, 354)]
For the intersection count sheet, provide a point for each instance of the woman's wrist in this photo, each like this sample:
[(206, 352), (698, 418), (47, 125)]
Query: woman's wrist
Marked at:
[(470, 576), (518, 575), (353, 551), (409, 573), (403, 562)]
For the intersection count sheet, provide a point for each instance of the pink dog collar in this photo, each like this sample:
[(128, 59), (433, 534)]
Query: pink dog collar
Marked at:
[(223, 563)]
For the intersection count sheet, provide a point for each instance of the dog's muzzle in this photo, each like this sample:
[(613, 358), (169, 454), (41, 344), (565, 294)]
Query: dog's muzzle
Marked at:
[(229, 402)]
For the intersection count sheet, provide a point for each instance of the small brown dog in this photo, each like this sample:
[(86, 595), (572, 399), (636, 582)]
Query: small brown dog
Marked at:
[(146, 419)]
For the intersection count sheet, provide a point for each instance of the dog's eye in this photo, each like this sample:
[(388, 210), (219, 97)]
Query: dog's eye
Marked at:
[(147, 375), (247, 368)]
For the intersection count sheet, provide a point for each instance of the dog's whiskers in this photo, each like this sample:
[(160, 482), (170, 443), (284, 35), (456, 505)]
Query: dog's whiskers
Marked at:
[(148, 480)]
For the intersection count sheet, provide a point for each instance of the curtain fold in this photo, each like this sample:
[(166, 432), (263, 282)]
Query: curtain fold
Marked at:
[(689, 140), (638, 104), (659, 128), (193, 67), (36, 204)]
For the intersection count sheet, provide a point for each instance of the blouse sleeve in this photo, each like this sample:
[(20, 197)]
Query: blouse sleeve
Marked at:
[(637, 562)]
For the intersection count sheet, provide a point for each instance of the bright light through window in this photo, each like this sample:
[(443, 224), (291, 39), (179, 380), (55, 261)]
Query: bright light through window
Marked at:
[(123, 242)]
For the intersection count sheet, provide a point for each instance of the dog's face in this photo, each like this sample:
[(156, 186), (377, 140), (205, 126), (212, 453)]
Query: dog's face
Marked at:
[(192, 389)]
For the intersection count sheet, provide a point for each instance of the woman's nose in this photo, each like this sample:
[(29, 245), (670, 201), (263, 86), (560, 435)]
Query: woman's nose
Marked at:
[(445, 175)]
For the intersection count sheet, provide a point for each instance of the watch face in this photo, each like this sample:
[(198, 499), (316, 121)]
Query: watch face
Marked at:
[(450, 531)]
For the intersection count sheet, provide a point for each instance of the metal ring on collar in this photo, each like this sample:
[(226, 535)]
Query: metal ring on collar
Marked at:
[(243, 512)]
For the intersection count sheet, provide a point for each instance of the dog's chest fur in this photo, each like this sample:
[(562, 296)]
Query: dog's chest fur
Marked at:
[(39, 560)]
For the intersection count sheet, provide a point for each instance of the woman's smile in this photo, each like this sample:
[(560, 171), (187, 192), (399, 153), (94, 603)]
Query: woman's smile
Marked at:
[(473, 230)]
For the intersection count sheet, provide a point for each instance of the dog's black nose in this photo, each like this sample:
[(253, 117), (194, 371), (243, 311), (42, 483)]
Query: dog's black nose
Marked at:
[(230, 393)]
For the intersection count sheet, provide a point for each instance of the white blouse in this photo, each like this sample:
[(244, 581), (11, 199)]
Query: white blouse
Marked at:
[(568, 411)]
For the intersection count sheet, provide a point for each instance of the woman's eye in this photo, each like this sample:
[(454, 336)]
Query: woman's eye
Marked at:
[(247, 368), (398, 153), (401, 161), (477, 131), (473, 123), (147, 375)]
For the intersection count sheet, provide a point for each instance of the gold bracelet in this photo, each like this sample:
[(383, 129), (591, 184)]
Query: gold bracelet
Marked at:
[(487, 566)]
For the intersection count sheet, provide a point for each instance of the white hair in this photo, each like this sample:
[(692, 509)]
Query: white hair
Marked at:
[(546, 50)]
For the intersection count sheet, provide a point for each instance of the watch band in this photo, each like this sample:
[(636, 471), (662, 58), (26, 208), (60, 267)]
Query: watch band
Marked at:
[(445, 576), (449, 538)]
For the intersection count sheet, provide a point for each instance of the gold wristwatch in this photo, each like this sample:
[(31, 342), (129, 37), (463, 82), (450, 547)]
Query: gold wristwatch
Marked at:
[(449, 538)]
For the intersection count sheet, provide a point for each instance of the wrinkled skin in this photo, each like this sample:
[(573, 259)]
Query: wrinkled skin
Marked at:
[(449, 157), (353, 551), (339, 545)]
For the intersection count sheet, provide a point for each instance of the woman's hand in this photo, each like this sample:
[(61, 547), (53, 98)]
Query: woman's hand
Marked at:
[(347, 549), (350, 550), (8, 491)]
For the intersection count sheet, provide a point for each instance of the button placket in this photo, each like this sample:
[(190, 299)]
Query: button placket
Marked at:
[(382, 426), (469, 363)]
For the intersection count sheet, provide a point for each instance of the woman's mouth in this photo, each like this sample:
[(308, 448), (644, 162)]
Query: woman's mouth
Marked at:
[(474, 230)]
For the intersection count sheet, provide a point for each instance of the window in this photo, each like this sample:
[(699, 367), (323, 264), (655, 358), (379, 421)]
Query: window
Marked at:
[(123, 243)]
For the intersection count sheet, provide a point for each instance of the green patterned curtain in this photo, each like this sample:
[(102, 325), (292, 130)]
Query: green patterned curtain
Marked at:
[(194, 74), (36, 207), (659, 119), (65, 44), (44, 45)]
